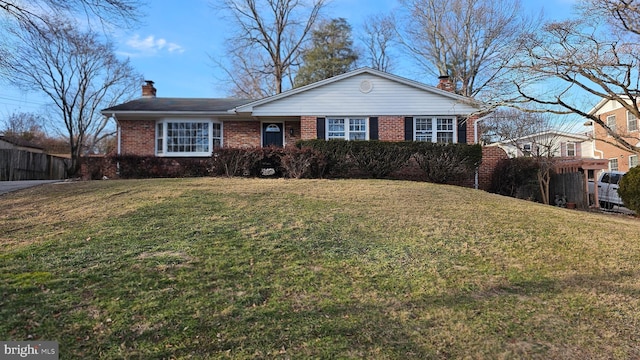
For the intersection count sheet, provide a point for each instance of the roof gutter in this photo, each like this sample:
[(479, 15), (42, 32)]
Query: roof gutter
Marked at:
[(163, 113)]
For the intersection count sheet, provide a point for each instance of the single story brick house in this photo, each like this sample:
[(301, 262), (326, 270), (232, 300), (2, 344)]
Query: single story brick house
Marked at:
[(364, 104)]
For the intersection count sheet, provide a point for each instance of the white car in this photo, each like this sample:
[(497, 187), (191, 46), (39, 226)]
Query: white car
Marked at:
[(608, 185)]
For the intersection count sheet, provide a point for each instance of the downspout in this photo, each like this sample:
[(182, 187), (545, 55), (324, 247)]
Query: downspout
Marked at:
[(117, 133), (119, 146), (476, 184)]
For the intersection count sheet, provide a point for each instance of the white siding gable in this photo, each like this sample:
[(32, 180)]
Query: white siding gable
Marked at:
[(365, 94)]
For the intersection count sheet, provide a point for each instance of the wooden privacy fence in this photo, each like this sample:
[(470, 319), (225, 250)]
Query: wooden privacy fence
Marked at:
[(26, 165), (570, 185)]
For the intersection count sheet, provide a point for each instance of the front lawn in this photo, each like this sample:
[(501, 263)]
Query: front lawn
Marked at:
[(250, 268)]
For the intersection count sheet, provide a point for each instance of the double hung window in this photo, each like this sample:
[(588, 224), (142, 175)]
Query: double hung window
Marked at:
[(434, 129), (347, 128), (632, 122)]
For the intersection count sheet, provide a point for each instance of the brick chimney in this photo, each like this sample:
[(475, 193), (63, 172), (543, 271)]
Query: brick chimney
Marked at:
[(446, 84), (148, 90)]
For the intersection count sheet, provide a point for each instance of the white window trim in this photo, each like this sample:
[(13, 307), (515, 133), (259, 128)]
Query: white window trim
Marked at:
[(614, 127), (165, 153), (636, 129), (434, 127), (631, 157), (346, 126), (575, 149), (617, 164)]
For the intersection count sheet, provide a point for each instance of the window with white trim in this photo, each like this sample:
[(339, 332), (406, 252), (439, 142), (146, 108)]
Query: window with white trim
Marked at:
[(613, 164), (571, 149), (423, 129), (187, 137), (632, 122), (633, 161), (347, 128), (611, 122)]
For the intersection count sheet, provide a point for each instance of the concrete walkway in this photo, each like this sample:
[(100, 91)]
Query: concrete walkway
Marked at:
[(8, 186)]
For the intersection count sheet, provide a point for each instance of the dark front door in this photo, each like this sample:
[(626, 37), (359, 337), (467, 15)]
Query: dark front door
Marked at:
[(272, 134)]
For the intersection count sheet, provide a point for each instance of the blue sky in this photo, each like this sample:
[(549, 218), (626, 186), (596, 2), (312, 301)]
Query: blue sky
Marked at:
[(176, 39)]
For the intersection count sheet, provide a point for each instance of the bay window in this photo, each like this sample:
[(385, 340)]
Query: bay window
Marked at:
[(187, 137)]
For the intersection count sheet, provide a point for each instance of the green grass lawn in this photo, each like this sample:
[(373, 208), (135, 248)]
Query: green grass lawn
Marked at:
[(248, 268)]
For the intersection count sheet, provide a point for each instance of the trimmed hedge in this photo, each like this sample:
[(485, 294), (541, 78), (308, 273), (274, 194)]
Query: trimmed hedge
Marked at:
[(447, 163), (440, 163), (142, 167)]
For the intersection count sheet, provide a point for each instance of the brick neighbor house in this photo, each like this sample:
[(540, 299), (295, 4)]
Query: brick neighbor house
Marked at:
[(364, 104), (624, 123)]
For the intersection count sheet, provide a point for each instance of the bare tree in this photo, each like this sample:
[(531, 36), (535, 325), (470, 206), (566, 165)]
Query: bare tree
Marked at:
[(471, 41), (240, 79), (27, 126), (273, 33), (530, 134), (78, 72), (34, 12), (379, 36), (595, 57)]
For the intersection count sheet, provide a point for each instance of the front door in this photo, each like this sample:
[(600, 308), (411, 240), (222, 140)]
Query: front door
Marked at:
[(272, 134)]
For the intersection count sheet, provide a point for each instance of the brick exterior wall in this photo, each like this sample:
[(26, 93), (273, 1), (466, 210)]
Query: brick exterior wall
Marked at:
[(308, 127), (610, 151), (241, 134), (491, 156), (470, 136), (391, 128), (137, 137), (290, 140)]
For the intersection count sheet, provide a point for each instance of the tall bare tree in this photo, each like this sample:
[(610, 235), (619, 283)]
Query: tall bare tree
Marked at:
[(273, 33), (33, 12), (594, 57), (469, 40), (77, 71), (378, 39)]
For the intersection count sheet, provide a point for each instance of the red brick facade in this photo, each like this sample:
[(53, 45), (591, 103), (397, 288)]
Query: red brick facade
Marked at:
[(241, 134), (137, 137), (490, 158), (605, 143), (391, 128)]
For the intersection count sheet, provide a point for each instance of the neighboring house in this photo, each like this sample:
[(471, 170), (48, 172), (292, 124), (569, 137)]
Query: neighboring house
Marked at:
[(13, 143), (560, 144), (364, 104), (624, 123)]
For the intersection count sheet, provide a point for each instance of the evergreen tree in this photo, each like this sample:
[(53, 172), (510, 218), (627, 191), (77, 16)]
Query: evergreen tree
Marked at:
[(330, 53)]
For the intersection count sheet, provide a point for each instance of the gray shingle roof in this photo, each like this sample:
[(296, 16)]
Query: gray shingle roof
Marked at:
[(157, 104)]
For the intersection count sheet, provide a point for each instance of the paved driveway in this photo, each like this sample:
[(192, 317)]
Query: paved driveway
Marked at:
[(8, 186)]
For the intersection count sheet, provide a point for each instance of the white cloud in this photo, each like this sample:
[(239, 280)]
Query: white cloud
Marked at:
[(151, 46)]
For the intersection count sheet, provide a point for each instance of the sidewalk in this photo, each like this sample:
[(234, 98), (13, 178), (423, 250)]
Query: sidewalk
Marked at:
[(8, 186)]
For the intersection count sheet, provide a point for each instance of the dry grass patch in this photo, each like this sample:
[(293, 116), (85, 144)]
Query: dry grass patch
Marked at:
[(245, 268)]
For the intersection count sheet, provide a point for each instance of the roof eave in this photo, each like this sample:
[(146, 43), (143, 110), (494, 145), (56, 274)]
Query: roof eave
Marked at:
[(164, 113)]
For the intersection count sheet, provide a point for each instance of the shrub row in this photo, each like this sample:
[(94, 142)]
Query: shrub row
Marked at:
[(440, 163), (516, 177)]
